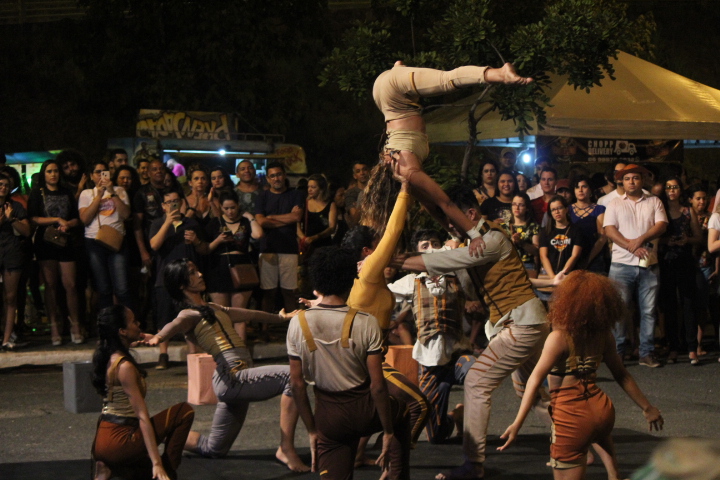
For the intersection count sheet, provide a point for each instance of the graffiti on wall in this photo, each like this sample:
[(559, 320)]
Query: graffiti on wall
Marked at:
[(186, 125)]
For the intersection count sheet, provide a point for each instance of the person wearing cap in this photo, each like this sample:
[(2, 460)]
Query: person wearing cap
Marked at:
[(619, 190), (562, 188), (548, 180), (634, 221), (508, 157)]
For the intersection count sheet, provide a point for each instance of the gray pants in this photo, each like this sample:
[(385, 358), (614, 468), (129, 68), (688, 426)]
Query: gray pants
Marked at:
[(234, 396), (514, 351)]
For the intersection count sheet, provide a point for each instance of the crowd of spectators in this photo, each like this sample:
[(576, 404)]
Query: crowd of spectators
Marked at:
[(98, 233)]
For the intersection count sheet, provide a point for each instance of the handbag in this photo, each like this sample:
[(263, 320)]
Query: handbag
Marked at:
[(55, 236), (52, 234), (244, 276), (109, 237)]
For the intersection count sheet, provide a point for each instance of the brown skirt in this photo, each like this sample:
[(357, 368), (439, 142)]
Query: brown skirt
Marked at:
[(119, 441)]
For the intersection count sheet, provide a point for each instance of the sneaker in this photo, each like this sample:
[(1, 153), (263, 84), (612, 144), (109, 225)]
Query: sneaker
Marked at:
[(163, 362), (650, 361)]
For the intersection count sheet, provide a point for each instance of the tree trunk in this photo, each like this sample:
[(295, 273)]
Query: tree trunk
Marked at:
[(472, 131)]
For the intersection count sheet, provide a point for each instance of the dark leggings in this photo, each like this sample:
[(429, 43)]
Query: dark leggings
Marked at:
[(678, 275)]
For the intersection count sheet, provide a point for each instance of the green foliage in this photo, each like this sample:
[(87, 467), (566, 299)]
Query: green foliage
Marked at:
[(574, 38), (365, 53)]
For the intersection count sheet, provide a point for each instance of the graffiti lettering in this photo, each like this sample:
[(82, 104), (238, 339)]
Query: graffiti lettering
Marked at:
[(187, 125)]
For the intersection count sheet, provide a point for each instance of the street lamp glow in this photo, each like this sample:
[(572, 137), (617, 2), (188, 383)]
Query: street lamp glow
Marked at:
[(222, 152), (526, 158)]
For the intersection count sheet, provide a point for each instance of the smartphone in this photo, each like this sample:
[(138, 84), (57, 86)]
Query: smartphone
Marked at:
[(174, 206), (105, 175)]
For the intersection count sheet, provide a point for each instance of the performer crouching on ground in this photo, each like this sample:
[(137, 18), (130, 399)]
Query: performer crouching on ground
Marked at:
[(126, 442), (397, 93), (235, 381), (339, 351), (582, 313)]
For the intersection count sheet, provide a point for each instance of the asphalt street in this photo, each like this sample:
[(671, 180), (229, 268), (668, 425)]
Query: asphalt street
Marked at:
[(40, 440)]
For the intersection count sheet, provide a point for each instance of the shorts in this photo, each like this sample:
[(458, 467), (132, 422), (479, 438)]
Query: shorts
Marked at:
[(580, 417), (282, 267), (409, 140)]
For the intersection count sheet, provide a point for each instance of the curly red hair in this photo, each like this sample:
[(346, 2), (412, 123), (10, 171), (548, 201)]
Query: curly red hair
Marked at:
[(586, 305)]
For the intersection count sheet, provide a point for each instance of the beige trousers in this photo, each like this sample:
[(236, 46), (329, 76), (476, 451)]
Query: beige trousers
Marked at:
[(515, 350)]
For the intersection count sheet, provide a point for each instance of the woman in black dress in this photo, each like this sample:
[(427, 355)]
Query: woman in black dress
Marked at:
[(232, 233), (54, 205)]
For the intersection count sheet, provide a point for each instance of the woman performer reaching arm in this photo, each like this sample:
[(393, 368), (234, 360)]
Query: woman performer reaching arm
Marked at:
[(236, 382)]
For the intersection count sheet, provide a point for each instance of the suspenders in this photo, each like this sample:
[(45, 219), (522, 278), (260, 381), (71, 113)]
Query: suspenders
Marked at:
[(347, 328)]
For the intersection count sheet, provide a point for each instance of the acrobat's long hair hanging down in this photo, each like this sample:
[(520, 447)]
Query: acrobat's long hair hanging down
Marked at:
[(380, 195)]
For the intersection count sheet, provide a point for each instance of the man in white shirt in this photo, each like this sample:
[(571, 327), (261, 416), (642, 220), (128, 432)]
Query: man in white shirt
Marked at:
[(633, 221)]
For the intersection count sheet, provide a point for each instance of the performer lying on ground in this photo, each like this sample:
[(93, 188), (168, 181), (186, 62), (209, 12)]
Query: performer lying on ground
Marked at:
[(517, 327), (339, 350), (126, 442), (582, 314), (396, 93), (236, 382)]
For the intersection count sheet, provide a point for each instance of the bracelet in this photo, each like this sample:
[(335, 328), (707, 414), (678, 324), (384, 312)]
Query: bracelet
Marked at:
[(113, 195), (191, 208), (253, 220)]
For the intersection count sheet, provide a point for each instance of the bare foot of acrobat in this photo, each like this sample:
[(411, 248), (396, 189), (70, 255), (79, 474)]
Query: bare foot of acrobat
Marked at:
[(292, 460)]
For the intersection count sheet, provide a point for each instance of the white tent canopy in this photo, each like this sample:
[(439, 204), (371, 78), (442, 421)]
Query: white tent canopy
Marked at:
[(644, 102)]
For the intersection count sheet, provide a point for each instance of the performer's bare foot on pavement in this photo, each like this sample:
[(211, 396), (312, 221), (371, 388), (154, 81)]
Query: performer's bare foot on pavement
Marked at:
[(466, 471), (292, 460)]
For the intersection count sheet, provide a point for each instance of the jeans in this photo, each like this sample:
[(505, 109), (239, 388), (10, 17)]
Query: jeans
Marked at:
[(645, 280), (110, 274)]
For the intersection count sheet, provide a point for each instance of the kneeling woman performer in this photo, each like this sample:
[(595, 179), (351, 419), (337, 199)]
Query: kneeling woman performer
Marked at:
[(126, 442), (236, 382), (582, 312)]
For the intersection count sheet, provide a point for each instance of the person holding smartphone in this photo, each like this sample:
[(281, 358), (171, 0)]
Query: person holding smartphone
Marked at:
[(173, 236), (106, 205)]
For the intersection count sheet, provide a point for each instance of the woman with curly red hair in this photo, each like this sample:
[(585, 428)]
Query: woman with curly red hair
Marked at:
[(582, 312)]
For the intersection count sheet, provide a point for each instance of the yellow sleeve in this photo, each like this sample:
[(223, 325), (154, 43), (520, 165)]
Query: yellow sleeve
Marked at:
[(374, 265)]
